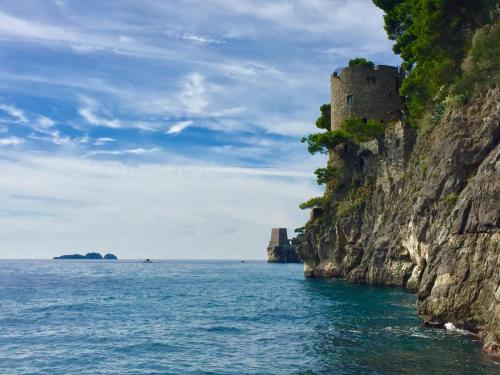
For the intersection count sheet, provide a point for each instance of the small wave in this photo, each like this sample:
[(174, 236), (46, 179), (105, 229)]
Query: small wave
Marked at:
[(451, 327), (224, 329)]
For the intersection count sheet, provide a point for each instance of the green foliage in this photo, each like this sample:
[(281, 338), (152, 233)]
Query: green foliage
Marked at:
[(313, 202), (325, 175), (324, 120), (322, 142), (481, 67), (432, 37), (355, 201), (359, 131), (300, 230), (450, 200), (351, 129), (361, 61), (438, 113)]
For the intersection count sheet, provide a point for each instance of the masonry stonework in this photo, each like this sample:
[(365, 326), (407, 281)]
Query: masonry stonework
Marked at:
[(367, 93)]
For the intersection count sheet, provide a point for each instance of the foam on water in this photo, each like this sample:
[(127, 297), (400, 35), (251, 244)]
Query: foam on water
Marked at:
[(451, 327)]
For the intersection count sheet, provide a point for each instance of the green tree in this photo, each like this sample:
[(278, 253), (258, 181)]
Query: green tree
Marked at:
[(432, 37), (324, 175), (313, 202), (361, 61), (324, 120), (352, 129)]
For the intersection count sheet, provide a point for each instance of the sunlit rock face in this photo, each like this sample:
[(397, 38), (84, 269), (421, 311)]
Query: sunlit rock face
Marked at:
[(429, 220)]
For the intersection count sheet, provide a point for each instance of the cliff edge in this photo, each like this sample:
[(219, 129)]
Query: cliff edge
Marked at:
[(422, 212)]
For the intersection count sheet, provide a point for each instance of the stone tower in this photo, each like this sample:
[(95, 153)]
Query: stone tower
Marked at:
[(366, 92), (279, 236), (279, 249)]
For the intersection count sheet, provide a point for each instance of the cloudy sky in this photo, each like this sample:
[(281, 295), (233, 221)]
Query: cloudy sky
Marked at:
[(165, 129)]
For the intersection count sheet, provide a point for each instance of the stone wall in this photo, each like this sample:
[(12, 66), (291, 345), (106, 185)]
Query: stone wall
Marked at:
[(374, 92)]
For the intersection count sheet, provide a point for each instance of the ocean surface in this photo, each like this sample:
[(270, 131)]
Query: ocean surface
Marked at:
[(214, 317)]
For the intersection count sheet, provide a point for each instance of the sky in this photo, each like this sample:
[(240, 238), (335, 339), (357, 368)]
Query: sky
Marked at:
[(166, 129)]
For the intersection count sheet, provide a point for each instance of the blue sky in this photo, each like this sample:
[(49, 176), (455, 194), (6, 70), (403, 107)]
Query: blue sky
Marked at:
[(165, 129)]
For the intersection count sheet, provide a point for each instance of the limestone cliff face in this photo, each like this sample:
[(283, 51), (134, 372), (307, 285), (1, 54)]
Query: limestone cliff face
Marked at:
[(282, 254), (421, 212)]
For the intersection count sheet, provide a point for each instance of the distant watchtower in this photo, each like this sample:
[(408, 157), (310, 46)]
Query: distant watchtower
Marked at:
[(367, 92), (279, 237)]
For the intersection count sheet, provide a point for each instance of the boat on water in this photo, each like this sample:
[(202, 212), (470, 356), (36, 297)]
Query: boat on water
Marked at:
[(147, 261)]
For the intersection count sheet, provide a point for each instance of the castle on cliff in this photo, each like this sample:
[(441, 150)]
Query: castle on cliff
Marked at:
[(366, 92)]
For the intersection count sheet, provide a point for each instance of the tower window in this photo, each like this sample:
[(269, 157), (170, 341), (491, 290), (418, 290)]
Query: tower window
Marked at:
[(374, 80), (390, 94), (350, 98), (371, 80)]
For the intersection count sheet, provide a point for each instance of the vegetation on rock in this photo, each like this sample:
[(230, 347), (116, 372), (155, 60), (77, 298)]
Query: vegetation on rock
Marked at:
[(313, 202), (432, 38), (352, 129), (325, 119), (361, 61)]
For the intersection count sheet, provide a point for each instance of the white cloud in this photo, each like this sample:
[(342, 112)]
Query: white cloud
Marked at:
[(54, 137), (133, 151), (14, 112), (45, 122), (193, 94), (103, 141), (200, 39), (60, 204), (179, 127), (11, 141), (88, 113)]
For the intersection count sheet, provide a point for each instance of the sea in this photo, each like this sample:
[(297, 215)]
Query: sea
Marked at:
[(214, 317)]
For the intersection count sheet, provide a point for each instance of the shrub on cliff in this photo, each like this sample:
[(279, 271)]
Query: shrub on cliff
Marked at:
[(352, 129), (361, 61), (325, 175), (324, 120), (313, 202), (480, 68)]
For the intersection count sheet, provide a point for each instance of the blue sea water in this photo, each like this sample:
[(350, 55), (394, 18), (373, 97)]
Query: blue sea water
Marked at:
[(214, 317)]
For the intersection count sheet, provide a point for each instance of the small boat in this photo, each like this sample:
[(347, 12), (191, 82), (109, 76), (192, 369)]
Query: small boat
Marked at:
[(148, 261)]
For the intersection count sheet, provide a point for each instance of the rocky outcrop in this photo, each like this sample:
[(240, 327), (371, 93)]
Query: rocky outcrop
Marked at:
[(280, 250), (421, 212), (93, 256), (282, 254)]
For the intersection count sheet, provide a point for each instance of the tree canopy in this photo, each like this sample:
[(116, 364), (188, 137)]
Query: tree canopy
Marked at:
[(361, 61), (432, 37)]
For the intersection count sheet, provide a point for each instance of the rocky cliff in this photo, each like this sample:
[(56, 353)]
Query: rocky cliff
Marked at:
[(282, 254), (280, 250), (422, 212)]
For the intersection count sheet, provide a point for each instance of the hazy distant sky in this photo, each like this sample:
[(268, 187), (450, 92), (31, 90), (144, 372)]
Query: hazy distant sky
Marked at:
[(165, 129)]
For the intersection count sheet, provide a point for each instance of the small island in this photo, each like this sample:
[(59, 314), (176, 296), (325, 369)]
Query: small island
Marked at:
[(87, 256)]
